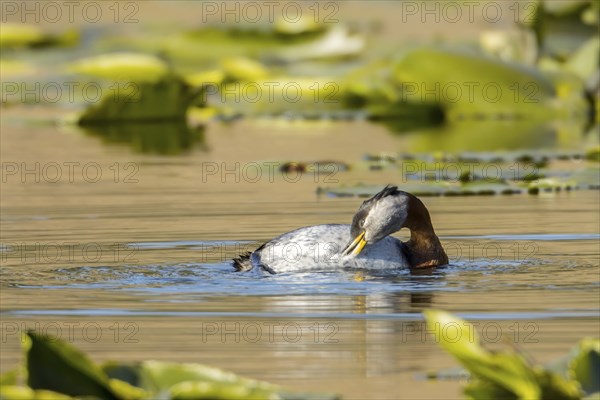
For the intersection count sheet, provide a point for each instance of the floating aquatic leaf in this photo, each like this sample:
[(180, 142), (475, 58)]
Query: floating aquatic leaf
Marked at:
[(334, 43), (26, 393), (20, 35), (195, 381), (593, 154), (483, 189), (584, 62), (517, 45), (371, 84), (191, 390), (561, 26), (551, 184), (127, 391), (280, 96), (204, 78), (56, 370), (498, 375), (56, 366), (455, 335), (157, 376), (129, 67), (305, 23), (431, 188), (205, 47), (373, 89), (14, 35), (590, 14), (458, 338), (584, 366), (413, 92), (564, 8), (517, 91), (124, 372), (243, 69), (167, 99)]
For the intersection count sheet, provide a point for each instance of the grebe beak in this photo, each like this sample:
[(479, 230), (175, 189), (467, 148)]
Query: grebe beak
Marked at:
[(356, 246)]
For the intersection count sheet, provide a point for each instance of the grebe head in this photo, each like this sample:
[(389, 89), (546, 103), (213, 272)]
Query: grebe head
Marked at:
[(381, 215)]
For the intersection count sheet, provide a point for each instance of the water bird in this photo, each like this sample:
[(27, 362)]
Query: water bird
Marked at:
[(365, 244)]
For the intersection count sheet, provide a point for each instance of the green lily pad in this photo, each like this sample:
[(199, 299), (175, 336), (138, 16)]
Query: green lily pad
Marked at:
[(305, 24), (337, 42), (243, 69), (196, 381), (511, 45), (207, 46), (56, 366), (496, 87), (56, 370), (584, 62), (304, 97), (165, 100), (593, 154), (26, 393), (130, 67), (583, 178), (562, 26), (157, 376), (498, 375), (585, 365), (431, 188), (213, 77), (14, 35)]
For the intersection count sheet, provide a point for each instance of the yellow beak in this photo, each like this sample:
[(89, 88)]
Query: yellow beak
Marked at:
[(356, 246)]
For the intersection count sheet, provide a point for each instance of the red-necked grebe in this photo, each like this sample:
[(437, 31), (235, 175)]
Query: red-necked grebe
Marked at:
[(364, 244)]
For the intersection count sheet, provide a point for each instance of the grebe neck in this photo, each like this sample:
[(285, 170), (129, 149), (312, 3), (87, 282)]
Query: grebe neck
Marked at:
[(424, 247)]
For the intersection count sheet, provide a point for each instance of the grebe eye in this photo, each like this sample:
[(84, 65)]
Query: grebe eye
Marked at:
[(361, 223)]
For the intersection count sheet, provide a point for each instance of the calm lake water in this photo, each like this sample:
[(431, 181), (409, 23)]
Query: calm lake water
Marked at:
[(134, 264)]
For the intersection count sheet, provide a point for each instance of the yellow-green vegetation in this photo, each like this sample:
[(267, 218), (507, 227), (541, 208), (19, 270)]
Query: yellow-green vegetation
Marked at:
[(14, 36), (54, 370), (126, 67), (538, 75), (397, 92), (509, 374), (165, 100), (475, 173), (138, 88), (243, 69), (593, 154)]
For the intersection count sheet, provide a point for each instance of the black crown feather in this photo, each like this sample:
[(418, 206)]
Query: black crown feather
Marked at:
[(386, 191)]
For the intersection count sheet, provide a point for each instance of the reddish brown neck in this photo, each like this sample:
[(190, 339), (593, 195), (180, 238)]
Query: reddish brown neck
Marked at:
[(424, 247)]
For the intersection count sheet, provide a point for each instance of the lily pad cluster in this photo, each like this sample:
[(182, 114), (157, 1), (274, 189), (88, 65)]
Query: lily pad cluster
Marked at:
[(544, 68), (393, 86), (509, 374), (54, 370), (470, 173), (16, 36)]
